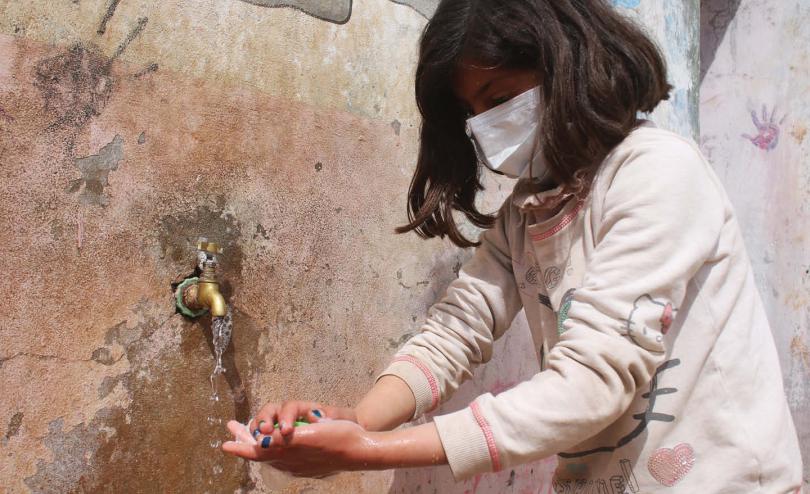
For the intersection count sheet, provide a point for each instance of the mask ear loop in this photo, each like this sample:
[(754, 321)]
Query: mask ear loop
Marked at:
[(479, 153)]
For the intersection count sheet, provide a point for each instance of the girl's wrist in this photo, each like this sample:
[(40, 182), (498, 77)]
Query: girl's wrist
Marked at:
[(403, 448)]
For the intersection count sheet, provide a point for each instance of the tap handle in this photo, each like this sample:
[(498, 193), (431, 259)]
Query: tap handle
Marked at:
[(210, 247)]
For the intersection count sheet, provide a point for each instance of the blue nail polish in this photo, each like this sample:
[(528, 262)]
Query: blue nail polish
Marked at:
[(256, 433), (317, 413), (266, 442)]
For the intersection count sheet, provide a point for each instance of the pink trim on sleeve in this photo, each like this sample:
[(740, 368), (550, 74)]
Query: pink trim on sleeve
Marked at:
[(482, 422), (566, 219), (434, 386)]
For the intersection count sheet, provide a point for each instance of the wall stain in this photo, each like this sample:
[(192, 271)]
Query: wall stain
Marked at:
[(261, 232), (95, 170), (14, 425), (424, 7), (103, 356), (799, 132), (74, 85), (337, 12), (800, 351), (340, 11), (395, 343), (179, 233), (166, 354), (4, 114), (73, 452)]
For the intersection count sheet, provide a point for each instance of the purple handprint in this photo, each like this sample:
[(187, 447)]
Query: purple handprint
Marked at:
[(768, 130)]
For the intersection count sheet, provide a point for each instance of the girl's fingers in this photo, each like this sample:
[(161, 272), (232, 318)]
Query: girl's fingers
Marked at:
[(243, 450), (290, 412), (315, 415), (273, 441), (263, 423), (241, 432)]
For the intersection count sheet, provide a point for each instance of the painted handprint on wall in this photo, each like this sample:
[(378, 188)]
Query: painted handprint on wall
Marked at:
[(768, 129)]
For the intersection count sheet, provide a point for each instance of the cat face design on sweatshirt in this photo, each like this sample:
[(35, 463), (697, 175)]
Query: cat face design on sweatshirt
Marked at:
[(648, 322)]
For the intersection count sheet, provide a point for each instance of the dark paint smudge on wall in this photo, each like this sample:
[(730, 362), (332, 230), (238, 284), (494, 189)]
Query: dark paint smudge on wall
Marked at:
[(74, 85)]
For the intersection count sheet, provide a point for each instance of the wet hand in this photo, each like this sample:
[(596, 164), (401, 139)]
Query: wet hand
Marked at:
[(314, 450)]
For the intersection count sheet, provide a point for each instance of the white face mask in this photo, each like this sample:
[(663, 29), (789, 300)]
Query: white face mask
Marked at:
[(505, 137)]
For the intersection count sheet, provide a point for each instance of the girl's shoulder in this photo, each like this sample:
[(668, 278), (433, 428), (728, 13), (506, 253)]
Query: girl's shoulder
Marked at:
[(649, 140), (651, 155)]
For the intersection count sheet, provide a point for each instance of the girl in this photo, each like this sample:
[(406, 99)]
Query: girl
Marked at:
[(659, 371)]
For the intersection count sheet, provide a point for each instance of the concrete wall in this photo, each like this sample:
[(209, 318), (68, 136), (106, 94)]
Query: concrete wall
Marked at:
[(127, 130), (754, 115)]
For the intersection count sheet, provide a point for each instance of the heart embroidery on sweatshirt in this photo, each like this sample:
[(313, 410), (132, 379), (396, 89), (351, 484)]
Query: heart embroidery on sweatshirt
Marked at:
[(670, 466)]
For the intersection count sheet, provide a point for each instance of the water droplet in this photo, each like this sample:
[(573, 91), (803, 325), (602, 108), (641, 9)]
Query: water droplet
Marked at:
[(215, 443)]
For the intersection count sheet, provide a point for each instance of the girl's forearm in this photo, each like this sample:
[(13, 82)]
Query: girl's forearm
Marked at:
[(418, 446), (387, 405)]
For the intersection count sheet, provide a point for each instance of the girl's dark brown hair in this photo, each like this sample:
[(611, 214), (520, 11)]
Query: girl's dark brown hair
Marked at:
[(598, 69)]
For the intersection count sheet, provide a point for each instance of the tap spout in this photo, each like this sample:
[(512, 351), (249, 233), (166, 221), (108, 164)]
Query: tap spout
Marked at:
[(208, 295), (199, 294)]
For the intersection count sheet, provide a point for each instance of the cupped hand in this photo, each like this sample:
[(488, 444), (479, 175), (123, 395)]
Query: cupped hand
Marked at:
[(287, 413), (315, 450)]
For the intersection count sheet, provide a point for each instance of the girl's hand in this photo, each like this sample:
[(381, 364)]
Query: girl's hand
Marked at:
[(287, 413), (315, 450)]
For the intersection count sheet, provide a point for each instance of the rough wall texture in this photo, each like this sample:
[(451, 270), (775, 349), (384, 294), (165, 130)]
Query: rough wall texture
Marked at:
[(754, 115), (127, 130), (675, 26)]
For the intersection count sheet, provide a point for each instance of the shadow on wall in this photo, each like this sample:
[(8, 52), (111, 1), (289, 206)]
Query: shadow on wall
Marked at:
[(715, 18)]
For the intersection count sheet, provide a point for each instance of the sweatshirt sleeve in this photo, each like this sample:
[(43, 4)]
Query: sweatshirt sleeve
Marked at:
[(660, 221), (477, 308)]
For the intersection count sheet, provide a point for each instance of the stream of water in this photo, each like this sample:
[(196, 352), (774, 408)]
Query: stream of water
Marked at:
[(221, 333)]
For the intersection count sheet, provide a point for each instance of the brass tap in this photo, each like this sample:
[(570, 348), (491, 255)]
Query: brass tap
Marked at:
[(204, 293)]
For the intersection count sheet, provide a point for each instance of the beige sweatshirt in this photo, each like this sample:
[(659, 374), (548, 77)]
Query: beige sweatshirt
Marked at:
[(659, 372)]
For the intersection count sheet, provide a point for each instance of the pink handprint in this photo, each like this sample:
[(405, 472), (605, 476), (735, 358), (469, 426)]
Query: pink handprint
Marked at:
[(767, 129)]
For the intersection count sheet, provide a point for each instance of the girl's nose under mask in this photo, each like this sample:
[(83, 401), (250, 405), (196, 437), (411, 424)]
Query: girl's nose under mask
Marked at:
[(505, 137)]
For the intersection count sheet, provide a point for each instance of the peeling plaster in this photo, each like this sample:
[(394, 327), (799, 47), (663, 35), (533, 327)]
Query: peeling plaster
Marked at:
[(95, 171), (340, 11)]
